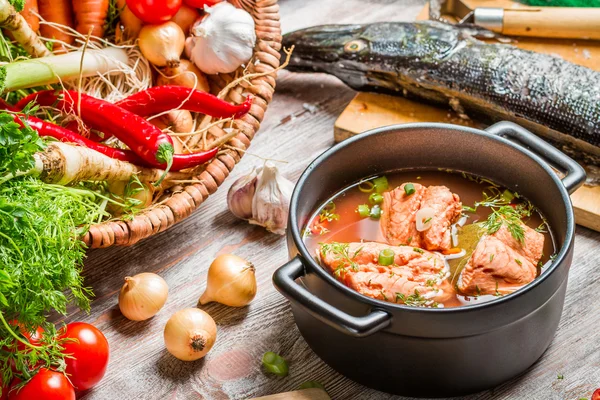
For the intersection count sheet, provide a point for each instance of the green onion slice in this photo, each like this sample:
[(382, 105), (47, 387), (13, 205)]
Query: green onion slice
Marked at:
[(386, 257), (409, 189), (376, 198), (363, 210), (508, 195), (381, 184), (366, 186), (375, 212), (275, 364)]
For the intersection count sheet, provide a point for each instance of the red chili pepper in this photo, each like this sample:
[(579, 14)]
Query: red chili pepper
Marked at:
[(44, 128), (159, 99), (147, 141), (180, 161)]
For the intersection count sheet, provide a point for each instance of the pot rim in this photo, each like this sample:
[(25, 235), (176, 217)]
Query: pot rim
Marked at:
[(306, 255)]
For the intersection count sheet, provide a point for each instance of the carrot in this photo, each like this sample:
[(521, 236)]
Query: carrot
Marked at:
[(30, 11), (90, 14), (454, 250), (59, 12)]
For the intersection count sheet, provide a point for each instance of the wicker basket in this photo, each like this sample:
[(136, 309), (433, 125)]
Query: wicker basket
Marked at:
[(183, 202)]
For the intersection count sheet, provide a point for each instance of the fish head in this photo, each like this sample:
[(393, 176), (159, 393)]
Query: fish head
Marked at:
[(351, 52)]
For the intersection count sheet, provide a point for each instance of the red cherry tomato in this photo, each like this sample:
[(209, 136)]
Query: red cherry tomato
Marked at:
[(90, 354), (201, 3), (154, 11), (596, 395), (4, 394), (47, 385)]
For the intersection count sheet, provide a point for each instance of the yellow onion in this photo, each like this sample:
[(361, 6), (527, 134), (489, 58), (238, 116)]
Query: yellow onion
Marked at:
[(185, 18), (142, 296), (162, 44), (186, 74), (190, 334), (231, 281)]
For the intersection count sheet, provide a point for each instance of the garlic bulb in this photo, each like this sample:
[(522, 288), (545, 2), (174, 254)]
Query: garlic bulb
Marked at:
[(221, 41), (263, 198), (241, 193)]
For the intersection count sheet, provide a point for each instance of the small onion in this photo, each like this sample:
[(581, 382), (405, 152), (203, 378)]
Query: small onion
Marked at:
[(186, 74), (190, 334), (425, 214), (185, 18), (162, 44), (142, 296), (231, 281)]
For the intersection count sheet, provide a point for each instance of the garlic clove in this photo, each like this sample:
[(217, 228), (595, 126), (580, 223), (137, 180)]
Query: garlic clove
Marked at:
[(271, 202), (241, 193)]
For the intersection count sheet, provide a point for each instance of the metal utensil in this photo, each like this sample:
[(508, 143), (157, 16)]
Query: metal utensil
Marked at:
[(548, 22)]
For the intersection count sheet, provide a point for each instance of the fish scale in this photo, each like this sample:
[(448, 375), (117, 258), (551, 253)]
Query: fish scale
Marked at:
[(445, 64)]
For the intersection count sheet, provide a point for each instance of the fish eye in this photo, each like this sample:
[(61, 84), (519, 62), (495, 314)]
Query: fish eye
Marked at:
[(354, 46)]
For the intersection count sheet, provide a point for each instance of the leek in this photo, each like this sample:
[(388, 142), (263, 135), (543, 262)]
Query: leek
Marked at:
[(53, 69)]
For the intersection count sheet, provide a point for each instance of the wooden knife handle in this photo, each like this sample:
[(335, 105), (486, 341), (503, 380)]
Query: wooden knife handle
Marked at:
[(553, 22)]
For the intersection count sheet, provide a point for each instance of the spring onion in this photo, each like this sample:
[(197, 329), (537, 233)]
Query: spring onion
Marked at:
[(363, 210), (409, 189), (380, 184), (375, 212), (375, 198), (275, 364), (507, 195), (386, 257), (366, 186)]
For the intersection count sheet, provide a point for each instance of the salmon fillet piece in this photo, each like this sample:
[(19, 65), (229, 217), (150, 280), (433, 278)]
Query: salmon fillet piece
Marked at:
[(417, 277), (399, 213), (500, 264)]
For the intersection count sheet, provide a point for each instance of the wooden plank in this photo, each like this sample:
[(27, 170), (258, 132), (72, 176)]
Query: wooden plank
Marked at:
[(369, 111), (140, 368), (306, 394)]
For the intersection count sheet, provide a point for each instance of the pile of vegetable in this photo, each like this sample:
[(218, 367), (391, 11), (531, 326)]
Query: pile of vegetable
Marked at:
[(106, 111)]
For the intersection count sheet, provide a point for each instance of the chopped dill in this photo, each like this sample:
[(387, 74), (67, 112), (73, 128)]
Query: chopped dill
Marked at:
[(415, 300), (417, 250), (383, 295), (518, 262), (430, 282), (491, 257), (328, 213), (341, 253)]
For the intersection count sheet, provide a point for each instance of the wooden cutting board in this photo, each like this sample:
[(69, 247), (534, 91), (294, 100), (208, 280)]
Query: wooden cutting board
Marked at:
[(369, 110), (306, 394)]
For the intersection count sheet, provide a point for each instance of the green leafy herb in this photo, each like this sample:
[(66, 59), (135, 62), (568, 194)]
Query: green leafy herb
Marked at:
[(415, 300), (469, 209), (518, 261), (341, 253), (409, 240), (491, 257), (560, 376), (383, 295), (17, 147), (275, 364), (417, 250), (430, 282)]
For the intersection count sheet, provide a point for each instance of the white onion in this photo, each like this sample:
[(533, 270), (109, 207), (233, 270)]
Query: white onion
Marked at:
[(457, 255), (424, 214), (454, 235)]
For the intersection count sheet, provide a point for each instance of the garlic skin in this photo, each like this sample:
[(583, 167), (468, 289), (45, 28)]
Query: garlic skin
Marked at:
[(271, 202), (241, 193), (223, 40)]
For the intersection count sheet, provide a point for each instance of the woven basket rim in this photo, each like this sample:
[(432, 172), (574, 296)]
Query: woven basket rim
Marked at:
[(126, 232)]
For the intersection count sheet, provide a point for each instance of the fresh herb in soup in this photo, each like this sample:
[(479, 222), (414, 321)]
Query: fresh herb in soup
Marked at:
[(430, 239)]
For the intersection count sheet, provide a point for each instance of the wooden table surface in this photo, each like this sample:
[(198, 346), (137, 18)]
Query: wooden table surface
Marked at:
[(141, 368)]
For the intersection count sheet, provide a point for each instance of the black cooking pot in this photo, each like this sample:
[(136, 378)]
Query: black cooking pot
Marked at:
[(432, 352)]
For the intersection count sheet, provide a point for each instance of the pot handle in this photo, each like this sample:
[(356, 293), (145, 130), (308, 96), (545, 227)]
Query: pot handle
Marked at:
[(574, 173), (284, 280)]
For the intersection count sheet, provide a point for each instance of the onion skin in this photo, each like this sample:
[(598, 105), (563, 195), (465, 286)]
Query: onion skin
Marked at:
[(162, 44), (231, 281), (186, 74), (142, 296), (190, 334)]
